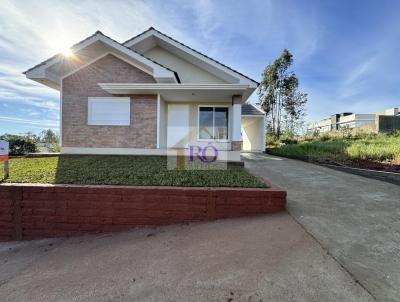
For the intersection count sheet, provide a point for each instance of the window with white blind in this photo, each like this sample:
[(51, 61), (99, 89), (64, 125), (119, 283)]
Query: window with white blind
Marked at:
[(109, 111)]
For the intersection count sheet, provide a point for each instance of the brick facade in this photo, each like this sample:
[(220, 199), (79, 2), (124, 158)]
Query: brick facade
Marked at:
[(37, 211), (76, 88)]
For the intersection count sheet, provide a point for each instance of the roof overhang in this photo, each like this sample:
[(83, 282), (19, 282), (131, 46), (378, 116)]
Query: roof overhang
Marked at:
[(182, 92), (51, 71), (153, 37)]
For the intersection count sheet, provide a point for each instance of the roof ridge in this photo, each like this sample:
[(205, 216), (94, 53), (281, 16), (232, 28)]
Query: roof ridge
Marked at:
[(138, 35), (216, 61)]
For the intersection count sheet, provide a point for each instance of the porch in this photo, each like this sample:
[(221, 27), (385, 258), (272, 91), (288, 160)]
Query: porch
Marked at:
[(199, 116)]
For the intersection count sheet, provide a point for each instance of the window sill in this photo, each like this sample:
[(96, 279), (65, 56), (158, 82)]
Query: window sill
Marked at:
[(214, 140)]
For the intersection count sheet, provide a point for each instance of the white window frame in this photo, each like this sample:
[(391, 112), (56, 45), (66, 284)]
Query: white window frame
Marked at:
[(92, 122), (198, 124)]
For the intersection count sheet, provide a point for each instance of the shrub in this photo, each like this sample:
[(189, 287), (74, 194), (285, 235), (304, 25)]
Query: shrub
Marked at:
[(324, 137), (20, 145), (289, 141), (272, 140)]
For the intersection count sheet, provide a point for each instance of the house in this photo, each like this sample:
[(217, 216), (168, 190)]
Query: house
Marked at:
[(149, 95), (384, 121)]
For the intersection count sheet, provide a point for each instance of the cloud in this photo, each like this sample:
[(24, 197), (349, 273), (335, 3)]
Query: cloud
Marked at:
[(358, 78), (43, 123), (345, 56), (33, 31)]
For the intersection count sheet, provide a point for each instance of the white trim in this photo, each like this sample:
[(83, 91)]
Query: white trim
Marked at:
[(61, 97), (227, 140), (264, 133), (171, 86), (108, 100), (236, 122), (102, 56), (158, 119)]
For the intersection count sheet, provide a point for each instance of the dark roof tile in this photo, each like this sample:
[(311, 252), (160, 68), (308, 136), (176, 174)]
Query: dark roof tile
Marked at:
[(249, 109)]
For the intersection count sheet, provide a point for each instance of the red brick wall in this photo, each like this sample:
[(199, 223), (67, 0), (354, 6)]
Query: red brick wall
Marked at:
[(76, 88), (35, 211)]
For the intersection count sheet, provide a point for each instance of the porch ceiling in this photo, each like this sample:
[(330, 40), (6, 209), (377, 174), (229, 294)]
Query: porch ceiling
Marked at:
[(182, 92)]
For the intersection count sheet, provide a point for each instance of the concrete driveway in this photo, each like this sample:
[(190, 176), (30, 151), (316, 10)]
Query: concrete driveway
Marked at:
[(355, 218), (265, 258)]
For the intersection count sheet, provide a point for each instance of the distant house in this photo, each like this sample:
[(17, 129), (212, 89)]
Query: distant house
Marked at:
[(150, 94), (384, 121)]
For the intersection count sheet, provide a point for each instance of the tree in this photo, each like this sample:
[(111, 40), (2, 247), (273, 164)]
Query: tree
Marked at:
[(279, 96), (50, 139), (294, 106)]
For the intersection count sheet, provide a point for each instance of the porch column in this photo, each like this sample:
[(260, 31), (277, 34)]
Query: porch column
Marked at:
[(236, 144)]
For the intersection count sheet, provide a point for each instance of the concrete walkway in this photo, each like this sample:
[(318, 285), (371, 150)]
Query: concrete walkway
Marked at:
[(355, 218), (264, 258)]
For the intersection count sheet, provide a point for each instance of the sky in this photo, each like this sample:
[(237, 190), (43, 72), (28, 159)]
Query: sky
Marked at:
[(345, 52)]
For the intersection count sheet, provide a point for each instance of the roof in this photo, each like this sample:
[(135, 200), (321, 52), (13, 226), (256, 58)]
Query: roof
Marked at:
[(230, 68), (59, 54), (250, 109), (124, 46), (100, 33)]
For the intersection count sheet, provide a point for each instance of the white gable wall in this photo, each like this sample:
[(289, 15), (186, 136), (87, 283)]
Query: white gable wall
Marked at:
[(188, 72)]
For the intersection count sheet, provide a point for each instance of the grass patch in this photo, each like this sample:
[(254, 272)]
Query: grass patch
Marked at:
[(122, 170), (381, 147)]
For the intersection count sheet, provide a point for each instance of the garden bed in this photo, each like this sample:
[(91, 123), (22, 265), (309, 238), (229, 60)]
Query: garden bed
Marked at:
[(123, 170)]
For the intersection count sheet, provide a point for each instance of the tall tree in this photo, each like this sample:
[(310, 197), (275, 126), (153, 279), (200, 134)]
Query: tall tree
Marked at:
[(278, 93)]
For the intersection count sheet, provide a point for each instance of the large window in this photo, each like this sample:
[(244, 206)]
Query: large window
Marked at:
[(111, 111), (213, 123)]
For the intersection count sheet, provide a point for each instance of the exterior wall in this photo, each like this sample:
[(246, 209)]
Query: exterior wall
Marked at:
[(320, 129), (356, 120), (37, 211), (76, 88), (188, 73), (387, 123), (391, 112), (252, 131), (348, 121)]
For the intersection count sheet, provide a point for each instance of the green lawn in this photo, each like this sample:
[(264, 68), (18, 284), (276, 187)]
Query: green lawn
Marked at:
[(381, 147), (122, 170)]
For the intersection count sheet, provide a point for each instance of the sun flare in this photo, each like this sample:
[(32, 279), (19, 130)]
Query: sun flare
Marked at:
[(61, 45), (67, 52)]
